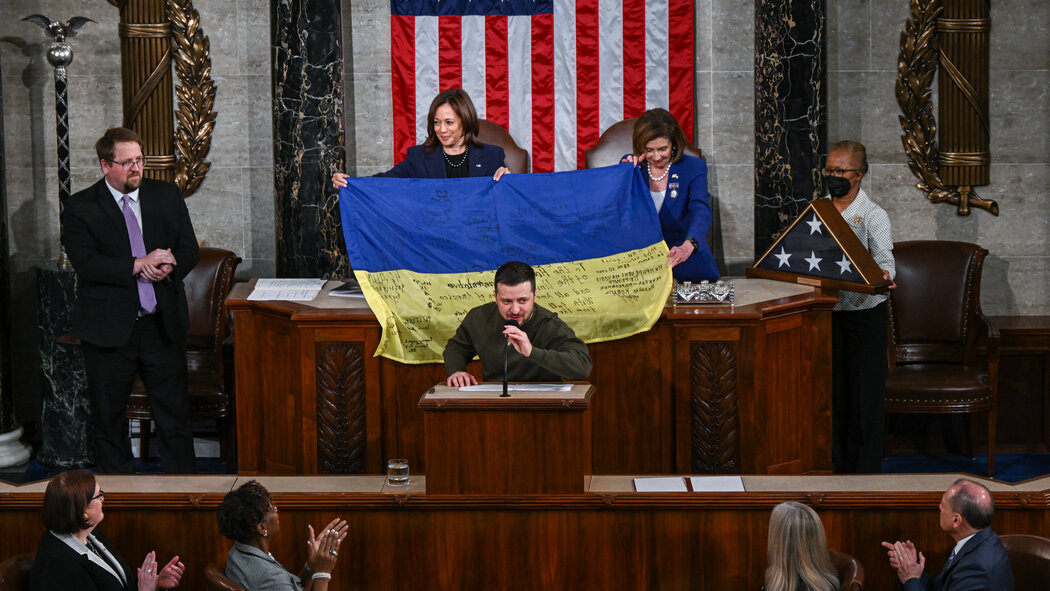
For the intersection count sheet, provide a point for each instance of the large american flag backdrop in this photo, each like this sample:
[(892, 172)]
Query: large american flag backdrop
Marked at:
[(554, 73)]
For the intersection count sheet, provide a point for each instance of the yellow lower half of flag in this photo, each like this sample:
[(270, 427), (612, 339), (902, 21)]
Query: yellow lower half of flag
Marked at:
[(602, 299)]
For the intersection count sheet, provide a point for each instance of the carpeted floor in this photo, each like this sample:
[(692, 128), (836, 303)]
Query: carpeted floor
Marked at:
[(1009, 467)]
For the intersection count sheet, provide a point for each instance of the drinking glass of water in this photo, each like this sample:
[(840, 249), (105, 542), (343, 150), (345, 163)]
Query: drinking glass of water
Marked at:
[(397, 472)]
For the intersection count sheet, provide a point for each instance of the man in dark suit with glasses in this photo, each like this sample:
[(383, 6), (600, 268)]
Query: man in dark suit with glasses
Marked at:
[(131, 242)]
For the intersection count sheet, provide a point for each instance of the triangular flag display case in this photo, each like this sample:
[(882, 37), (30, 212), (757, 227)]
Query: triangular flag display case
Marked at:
[(821, 250)]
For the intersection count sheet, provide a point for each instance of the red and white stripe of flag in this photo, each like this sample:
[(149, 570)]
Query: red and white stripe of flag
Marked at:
[(554, 81)]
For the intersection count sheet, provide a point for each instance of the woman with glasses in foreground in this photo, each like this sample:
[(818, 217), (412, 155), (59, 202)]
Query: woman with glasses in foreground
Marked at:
[(73, 554)]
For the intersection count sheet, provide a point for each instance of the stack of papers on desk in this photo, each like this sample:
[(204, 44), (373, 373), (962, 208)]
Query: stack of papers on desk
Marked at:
[(296, 290)]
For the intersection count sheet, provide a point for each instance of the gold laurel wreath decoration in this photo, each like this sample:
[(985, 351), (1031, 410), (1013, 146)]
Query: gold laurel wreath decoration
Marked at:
[(196, 94), (916, 66)]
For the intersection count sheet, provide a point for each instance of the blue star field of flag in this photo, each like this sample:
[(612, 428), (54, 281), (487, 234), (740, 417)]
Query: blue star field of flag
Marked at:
[(808, 248)]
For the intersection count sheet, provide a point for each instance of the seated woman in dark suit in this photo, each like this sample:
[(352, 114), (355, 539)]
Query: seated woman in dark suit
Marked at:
[(72, 554), (452, 126), (798, 551), (248, 517), (678, 185)]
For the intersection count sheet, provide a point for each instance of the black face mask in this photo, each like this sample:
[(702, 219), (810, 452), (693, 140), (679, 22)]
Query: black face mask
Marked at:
[(837, 186)]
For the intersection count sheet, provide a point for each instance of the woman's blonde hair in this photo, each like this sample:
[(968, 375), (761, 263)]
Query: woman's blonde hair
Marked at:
[(798, 551)]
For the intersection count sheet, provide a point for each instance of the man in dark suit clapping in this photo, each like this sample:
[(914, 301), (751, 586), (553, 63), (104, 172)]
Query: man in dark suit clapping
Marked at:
[(978, 560), (131, 242)]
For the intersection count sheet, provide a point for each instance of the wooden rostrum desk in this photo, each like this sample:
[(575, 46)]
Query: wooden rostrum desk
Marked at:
[(728, 389)]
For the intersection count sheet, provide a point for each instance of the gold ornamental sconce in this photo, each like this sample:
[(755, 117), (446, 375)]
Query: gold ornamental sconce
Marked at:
[(952, 37), (154, 35)]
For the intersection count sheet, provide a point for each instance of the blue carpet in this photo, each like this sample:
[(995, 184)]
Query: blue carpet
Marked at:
[(1009, 467), (37, 471)]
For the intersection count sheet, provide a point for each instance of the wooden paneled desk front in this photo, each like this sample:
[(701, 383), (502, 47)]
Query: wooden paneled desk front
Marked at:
[(724, 389)]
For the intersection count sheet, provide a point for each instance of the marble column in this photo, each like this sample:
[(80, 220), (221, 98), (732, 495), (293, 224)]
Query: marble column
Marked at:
[(790, 112), (308, 137), (12, 450), (7, 419), (66, 413)]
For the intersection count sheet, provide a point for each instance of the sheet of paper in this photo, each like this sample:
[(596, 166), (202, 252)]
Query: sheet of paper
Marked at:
[(296, 290), (295, 295), (660, 484), (282, 284), (517, 388), (717, 483)]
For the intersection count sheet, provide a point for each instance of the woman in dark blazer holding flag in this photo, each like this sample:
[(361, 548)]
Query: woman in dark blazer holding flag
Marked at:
[(678, 185), (452, 126)]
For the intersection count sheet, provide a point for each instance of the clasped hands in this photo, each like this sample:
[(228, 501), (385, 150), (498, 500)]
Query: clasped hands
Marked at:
[(155, 266), (905, 559)]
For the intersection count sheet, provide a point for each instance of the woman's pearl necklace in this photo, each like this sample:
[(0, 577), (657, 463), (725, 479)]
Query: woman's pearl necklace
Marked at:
[(462, 158), (656, 179)]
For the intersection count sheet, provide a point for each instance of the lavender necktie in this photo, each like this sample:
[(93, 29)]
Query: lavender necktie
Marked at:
[(147, 298)]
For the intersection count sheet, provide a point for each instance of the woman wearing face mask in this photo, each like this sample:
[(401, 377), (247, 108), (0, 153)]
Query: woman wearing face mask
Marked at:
[(452, 149), (858, 322), (678, 185)]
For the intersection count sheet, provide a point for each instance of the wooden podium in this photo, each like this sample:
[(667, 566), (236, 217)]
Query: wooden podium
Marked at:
[(534, 442)]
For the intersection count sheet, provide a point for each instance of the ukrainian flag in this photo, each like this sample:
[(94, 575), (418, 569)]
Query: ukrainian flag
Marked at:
[(425, 251)]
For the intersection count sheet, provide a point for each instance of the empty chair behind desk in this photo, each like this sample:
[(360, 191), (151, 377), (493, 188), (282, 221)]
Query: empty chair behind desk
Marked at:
[(1030, 559)]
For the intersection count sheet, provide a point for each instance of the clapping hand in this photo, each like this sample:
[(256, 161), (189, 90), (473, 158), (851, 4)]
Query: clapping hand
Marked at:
[(147, 573), (905, 559), (324, 548), (171, 574)]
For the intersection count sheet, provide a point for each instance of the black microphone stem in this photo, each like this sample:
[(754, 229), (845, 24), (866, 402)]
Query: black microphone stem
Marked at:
[(506, 350)]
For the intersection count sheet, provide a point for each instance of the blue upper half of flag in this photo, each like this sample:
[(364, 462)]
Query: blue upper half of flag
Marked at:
[(471, 7), (477, 224)]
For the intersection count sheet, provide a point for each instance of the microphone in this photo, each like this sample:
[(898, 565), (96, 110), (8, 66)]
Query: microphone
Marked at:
[(506, 351)]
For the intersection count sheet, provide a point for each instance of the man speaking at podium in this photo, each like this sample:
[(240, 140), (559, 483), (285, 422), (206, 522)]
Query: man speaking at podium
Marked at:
[(545, 349)]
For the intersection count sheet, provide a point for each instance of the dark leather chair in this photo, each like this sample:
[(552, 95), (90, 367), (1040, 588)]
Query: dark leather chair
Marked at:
[(517, 159), (210, 365), (936, 326), (14, 572), (1030, 558), (615, 142), (851, 572), (217, 581)]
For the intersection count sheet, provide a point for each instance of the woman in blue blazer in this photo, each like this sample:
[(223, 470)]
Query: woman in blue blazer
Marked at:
[(452, 126), (678, 185)]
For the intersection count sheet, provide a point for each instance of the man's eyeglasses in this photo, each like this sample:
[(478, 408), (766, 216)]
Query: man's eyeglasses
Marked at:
[(101, 493), (128, 164), (839, 171)]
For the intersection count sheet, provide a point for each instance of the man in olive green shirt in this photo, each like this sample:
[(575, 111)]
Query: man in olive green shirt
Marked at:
[(543, 347)]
